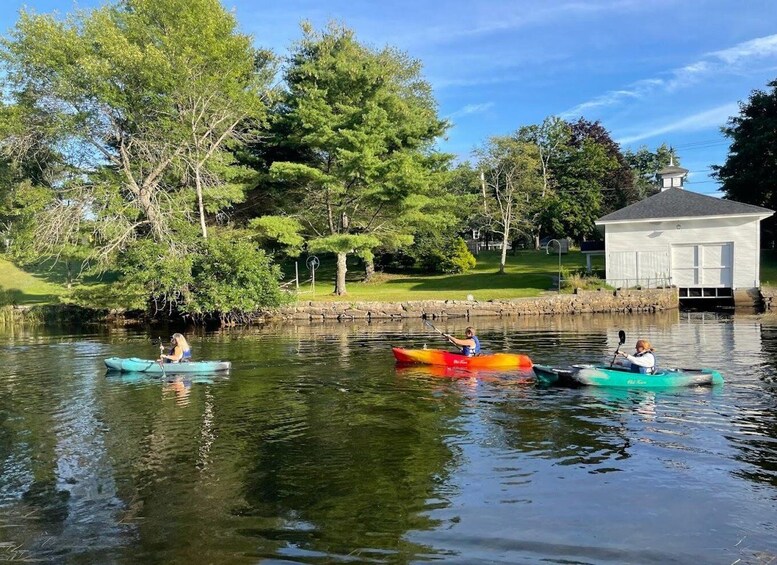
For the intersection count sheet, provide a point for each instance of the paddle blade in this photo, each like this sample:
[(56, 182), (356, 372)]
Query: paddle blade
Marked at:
[(621, 337)]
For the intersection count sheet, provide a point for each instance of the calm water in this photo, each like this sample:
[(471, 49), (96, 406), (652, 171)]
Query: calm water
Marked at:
[(317, 449)]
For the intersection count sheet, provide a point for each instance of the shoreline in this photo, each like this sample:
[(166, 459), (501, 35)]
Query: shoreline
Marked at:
[(600, 301), (581, 302)]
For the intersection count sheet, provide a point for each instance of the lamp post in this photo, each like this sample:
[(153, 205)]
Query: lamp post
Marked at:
[(547, 252)]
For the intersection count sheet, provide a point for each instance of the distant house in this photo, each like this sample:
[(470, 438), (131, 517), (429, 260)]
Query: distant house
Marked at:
[(707, 247)]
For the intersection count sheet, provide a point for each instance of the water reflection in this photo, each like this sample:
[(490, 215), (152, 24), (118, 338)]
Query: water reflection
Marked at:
[(318, 448)]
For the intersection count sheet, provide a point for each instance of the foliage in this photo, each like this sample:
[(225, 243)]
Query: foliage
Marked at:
[(436, 252), (360, 125), (232, 280), (645, 164), (572, 279), (511, 180), (142, 102), (577, 203), (617, 179), (282, 230), (750, 170)]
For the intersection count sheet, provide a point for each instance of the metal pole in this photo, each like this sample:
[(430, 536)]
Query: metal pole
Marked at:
[(296, 274), (547, 252)]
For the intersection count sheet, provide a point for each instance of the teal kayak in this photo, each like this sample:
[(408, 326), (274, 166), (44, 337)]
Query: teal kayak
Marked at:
[(135, 365), (597, 375)]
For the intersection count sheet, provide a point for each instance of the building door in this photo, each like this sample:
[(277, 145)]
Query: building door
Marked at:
[(703, 265)]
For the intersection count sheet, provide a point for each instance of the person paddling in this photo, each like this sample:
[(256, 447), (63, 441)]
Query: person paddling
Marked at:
[(180, 350), (643, 360), (470, 345)]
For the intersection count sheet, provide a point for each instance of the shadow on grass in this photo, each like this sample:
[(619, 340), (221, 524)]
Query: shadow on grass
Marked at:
[(477, 281), (56, 272), (16, 296)]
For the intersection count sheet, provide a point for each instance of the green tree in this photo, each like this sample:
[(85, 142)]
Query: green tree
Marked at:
[(617, 179), (552, 138), (645, 164), (582, 175), (362, 124), (145, 99), (512, 178), (750, 170)]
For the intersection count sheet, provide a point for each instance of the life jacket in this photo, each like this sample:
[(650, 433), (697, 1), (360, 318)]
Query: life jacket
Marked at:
[(644, 370), (468, 351), (186, 356)]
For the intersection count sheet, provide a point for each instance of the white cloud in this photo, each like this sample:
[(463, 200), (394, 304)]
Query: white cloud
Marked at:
[(755, 48), (470, 109), (713, 64), (714, 117)]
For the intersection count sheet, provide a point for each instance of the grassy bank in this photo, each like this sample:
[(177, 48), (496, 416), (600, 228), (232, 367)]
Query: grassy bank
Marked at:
[(528, 273)]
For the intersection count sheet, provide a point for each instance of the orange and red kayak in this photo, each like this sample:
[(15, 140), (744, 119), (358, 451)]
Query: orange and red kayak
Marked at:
[(439, 357)]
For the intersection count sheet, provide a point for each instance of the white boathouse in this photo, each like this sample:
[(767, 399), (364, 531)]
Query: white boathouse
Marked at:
[(706, 247)]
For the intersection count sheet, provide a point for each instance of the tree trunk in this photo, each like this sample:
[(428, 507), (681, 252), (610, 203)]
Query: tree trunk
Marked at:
[(341, 270), (369, 270), (198, 181), (503, 261)]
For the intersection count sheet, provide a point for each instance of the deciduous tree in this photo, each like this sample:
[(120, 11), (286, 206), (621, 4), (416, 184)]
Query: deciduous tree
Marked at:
[(750, 170), (512, 177), (142, 99)]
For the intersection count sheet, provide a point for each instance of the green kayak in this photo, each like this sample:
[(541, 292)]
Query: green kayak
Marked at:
[(597, 375), (135, 365)]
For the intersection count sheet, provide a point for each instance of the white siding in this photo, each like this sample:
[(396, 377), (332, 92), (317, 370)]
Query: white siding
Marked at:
[(733, 241)]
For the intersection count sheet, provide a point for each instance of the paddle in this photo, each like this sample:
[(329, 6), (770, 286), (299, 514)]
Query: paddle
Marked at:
[(162, 361), (446, 336), (621, 341)]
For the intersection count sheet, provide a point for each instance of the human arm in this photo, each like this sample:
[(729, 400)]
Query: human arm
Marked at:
[(647, 360), (176, 355), (460, 342)]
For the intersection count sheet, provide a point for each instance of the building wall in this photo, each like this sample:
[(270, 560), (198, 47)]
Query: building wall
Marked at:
[(657, 238)]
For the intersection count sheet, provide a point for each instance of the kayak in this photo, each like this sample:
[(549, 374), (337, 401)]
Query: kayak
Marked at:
[(135, 365), (448, 359), (597, 375)]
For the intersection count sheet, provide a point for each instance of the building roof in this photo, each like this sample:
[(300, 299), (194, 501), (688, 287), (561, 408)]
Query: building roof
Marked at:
[(679, 203), (671, 170)]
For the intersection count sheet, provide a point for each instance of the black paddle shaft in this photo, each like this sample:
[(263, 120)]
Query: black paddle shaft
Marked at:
[(621, 341)]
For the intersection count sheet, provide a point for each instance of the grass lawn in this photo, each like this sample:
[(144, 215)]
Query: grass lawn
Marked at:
[(39, 286), (528, 273)]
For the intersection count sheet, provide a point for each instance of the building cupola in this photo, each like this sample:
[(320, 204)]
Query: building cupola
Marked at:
[(671, 176)]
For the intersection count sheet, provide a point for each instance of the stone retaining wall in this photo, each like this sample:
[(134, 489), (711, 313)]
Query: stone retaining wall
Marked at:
[(596, 301), (768, 295)]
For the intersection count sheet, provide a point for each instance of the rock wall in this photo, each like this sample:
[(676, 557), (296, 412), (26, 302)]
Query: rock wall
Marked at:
[(596, 301)]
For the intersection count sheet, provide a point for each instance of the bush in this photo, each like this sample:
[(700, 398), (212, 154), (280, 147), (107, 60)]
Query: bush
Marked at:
[(433, 252), (231, 281), (579, 278)]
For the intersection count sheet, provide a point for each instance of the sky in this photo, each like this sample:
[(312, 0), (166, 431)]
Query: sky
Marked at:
[(652, 72)]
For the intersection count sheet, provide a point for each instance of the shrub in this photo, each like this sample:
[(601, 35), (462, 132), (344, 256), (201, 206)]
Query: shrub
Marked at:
[(232, 280)]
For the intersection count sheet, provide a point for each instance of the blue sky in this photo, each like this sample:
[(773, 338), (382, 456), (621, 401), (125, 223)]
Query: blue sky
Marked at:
[(658, 71)]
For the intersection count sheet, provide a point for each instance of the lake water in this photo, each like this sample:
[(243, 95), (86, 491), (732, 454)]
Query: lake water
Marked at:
[(318, 449)]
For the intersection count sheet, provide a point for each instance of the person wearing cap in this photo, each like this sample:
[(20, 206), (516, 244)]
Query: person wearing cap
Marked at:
[(643, 360), (470, 345), (179, 350)]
